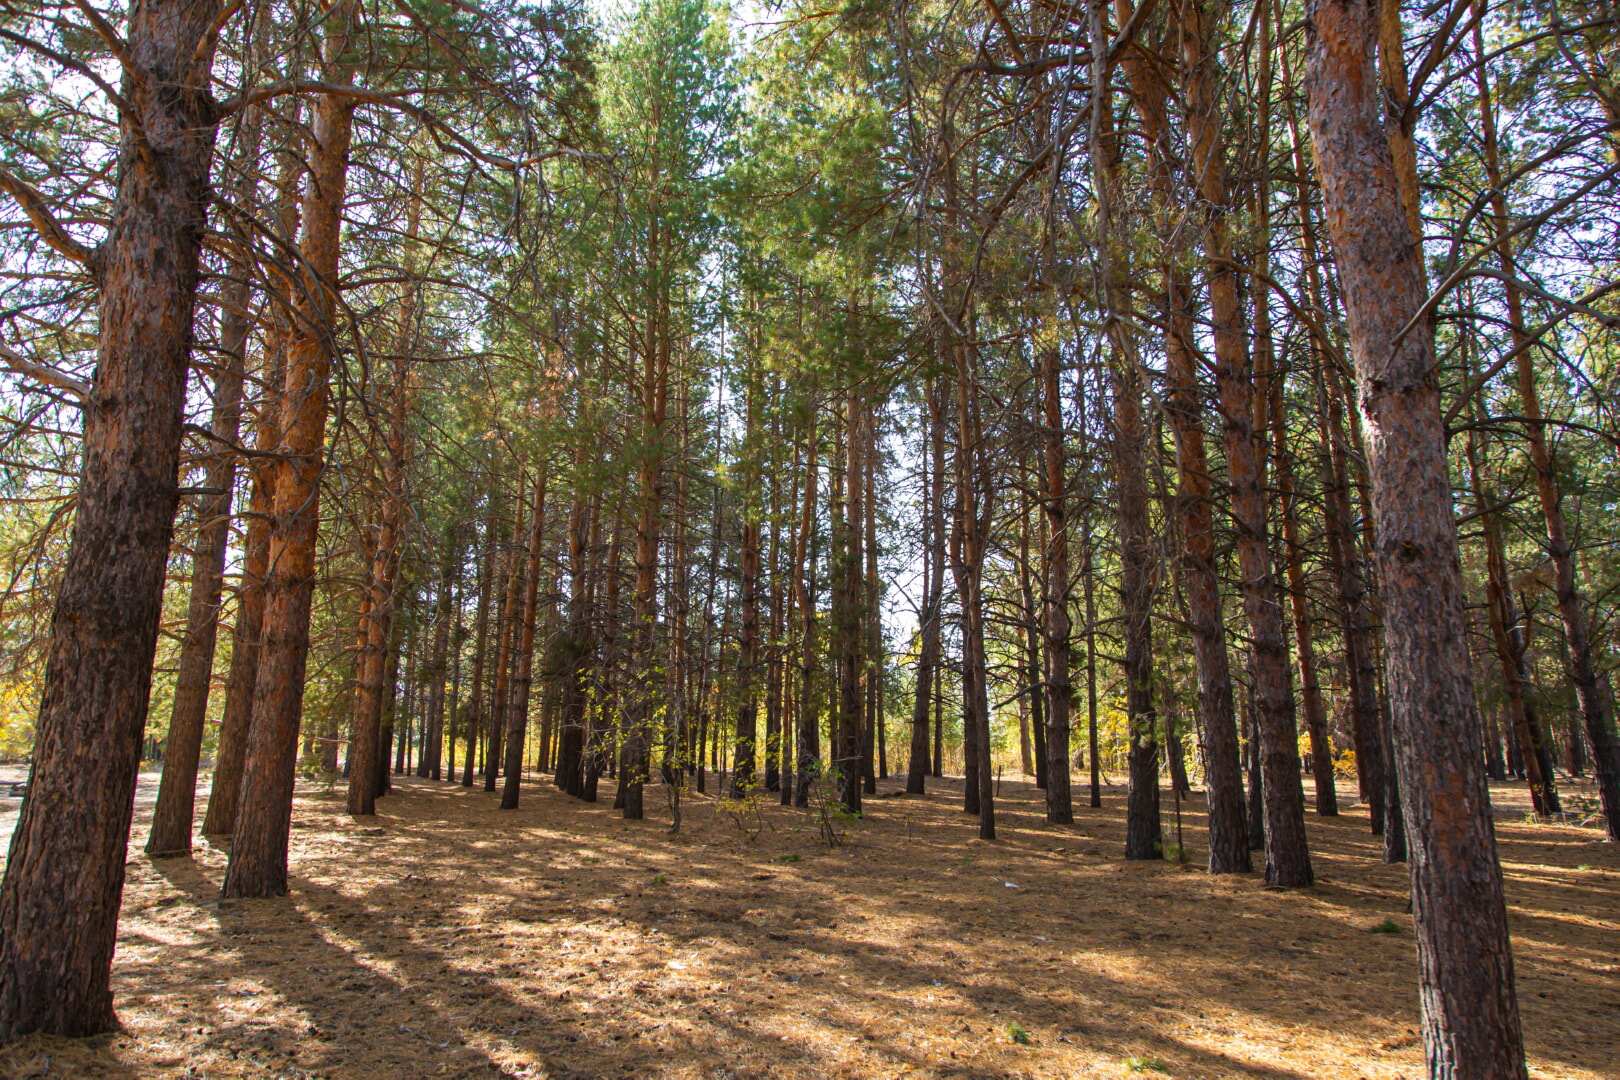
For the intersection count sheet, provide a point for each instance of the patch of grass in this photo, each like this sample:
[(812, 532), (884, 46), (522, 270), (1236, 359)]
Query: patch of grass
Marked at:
[(790, 857), (1146, 1064), (589, 858), (660, 878), (1583, 866), (1388, 926), (1018, 1033)]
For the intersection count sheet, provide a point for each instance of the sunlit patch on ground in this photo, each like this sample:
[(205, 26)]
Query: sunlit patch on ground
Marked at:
[(558, 941)]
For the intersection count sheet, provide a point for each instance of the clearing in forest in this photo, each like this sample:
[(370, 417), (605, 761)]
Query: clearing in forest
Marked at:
[(447, 938)]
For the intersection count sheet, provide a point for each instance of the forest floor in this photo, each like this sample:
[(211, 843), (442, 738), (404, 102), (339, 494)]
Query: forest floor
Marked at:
[(447, 938)]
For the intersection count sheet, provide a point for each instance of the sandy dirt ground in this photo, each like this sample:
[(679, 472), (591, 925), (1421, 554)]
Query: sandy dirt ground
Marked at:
[(448, 938)]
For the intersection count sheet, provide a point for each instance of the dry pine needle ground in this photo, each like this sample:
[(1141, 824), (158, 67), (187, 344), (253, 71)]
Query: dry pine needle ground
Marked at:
[(447, 938)]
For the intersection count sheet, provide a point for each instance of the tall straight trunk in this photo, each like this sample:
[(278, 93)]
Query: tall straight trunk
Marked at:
[(1270, 381), (872, 737), (1184, 408), (1327, 802), (1055, 626), (500, 699), (517, 719), (374, 687), (381, 779), (848, 618), (1143, 837), (746, 734), (1088, 588), (432, 749), (599, 729), (173, 815), (649, 518), (975, 506), (1372, 749), (65, 878), (1470, 1011), (453, 706), (1032, 708), (405, 719), (775, 745), (807, 753), (575, 648), (1503, 619), (1597, 713), (247, 635), (928, 613), (1288, 860), (258, 862), (487, 578)]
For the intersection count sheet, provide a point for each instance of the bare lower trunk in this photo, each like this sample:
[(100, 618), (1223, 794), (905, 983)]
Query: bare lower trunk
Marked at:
[(517, 720), (65, 878), (1597, 714), (1143, 836), (258, 863), (1228, 847), (173, 815), (1470, 1012), (1056, 627)]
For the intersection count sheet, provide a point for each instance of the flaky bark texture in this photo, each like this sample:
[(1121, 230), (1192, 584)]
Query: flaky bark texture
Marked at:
[(258, 864), (173, 815), (1470, 1012), (1288, 861), (1183, 407), (1143, 830), (1055, 626), (65, 878), (248, 634)]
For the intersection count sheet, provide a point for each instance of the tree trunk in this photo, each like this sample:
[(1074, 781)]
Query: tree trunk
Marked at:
[(808, 751), (1596, 713), (1056, 627), (928, 611), (1470, 1012), (500, 698), (173, 815), (63, 884), (746, 734), (848, 618), (1183, 407), (517, 720), (1288, 861), (258, 863)]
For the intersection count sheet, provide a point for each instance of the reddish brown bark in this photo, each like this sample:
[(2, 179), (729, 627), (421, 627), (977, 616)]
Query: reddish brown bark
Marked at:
[(1288, 860), (1056, 626), (63, 884), (175, 811), (1596, 711), (848, 600), (1470, 1012), (1184, 407), (258, 863), (517, 720), (248, 634), (807, 752), (928, 614)]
